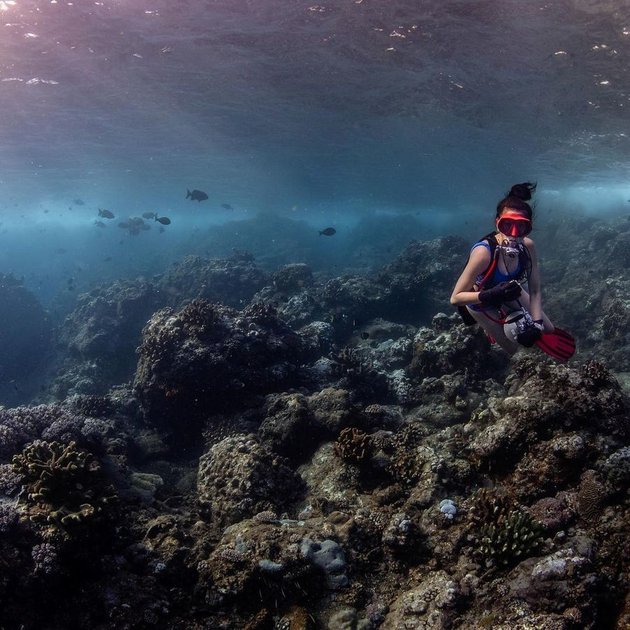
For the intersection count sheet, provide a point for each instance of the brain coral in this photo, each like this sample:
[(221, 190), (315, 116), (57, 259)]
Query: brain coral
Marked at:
[(239, 477)]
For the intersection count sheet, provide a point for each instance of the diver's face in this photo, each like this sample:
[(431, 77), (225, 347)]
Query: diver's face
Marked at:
[(513, 224)]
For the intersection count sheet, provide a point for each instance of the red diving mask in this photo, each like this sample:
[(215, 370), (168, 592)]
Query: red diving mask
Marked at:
[(514, 224)]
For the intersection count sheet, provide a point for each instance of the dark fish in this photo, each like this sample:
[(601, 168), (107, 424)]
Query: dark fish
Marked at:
[(99, 224), (227, 206), (107, 214), (46, 211), (328, 231), (78, 202), (196, 195), (365, 335), (149, 215), (163, 220), (107, 259)]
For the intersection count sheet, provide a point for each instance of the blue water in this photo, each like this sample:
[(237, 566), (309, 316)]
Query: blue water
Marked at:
[(324, 113)]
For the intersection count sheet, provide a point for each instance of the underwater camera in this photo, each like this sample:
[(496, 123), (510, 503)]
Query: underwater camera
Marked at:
[(519, 326)]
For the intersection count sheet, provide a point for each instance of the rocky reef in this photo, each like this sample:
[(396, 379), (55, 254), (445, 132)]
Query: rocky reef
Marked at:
[(305, 452), (25, 325)]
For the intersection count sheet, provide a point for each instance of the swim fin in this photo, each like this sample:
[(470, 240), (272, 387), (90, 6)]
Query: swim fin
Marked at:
[(558, 344)]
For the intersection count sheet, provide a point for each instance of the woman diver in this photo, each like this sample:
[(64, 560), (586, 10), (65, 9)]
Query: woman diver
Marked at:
[(500, 286)]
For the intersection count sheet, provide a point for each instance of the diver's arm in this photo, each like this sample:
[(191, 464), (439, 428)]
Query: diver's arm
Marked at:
[(535, 294), (477, 264)]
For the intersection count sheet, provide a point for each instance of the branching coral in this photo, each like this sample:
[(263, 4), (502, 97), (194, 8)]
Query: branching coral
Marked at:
[(503, 533), (353, 446), (64, 485)]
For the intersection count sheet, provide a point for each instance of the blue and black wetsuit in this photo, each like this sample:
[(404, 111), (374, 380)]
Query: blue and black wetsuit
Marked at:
[(520, 273)]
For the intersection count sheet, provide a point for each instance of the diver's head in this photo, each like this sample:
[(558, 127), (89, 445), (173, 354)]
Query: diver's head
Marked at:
[(514, 214)]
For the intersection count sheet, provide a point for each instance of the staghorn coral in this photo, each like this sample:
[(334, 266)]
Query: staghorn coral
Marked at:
[(64, 485), (503, 533), (509, 539), (353, 446)]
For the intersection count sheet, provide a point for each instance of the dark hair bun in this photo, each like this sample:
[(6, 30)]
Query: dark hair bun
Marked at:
[(522, 191)]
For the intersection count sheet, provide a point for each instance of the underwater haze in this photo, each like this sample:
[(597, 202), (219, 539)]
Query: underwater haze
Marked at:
[(349, 104), (234, 391), (320, 112)]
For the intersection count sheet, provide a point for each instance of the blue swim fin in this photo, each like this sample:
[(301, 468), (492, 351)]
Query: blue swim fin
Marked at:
[(558, 344)]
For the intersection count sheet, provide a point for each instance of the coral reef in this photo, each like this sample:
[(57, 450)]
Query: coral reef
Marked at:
[(210, 357), (239, 477), (101, 334), (230, 281), (64, 485), (353, 446), (25, 326), (380, 467)]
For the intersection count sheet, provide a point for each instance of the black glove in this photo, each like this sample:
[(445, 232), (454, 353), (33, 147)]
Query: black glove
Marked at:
[(502, 292), (529, 336)]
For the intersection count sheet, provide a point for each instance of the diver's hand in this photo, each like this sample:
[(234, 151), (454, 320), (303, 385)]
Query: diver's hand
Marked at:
[(529, 336), (502, 292)]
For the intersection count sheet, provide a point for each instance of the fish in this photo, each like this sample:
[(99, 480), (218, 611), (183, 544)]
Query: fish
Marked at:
[(107, 259), (107, 214), (99, 224), (78, 202), (329, 231), (365, 335), (163, 220), (149, 215), (196, 195), (227, 206)]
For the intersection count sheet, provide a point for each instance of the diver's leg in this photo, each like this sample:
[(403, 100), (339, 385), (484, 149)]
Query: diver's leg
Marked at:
[(494, 329)]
